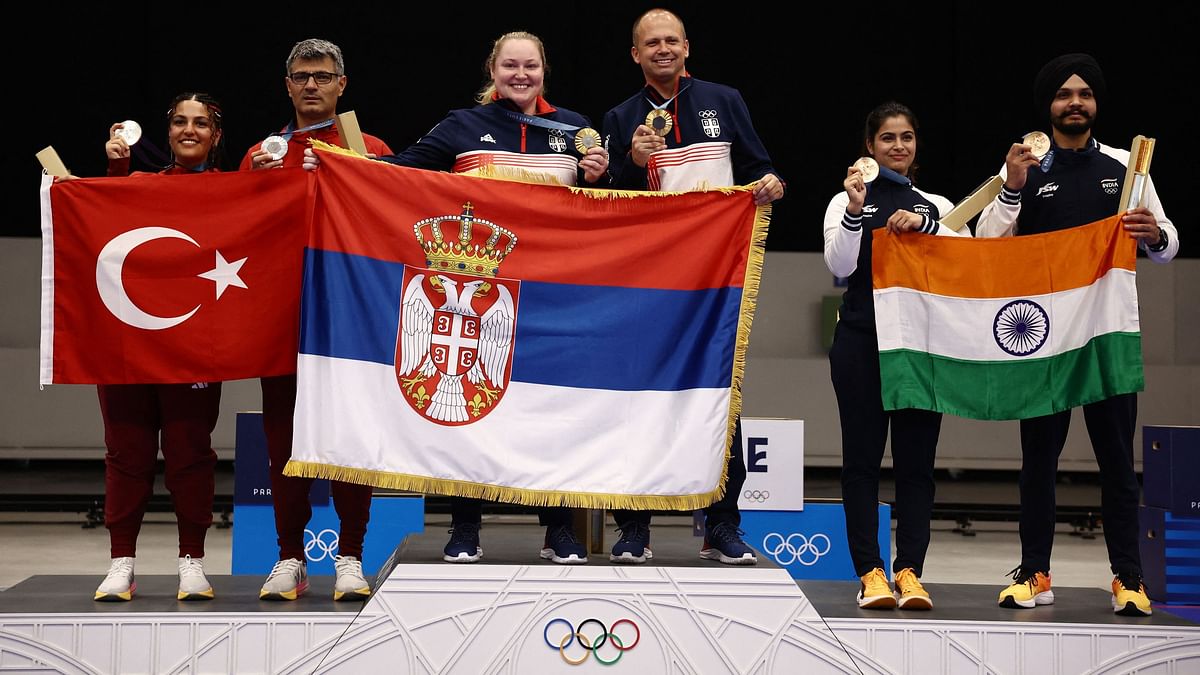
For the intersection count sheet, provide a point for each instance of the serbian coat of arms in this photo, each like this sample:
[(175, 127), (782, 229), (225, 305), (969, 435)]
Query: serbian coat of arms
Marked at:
[(454, 346)]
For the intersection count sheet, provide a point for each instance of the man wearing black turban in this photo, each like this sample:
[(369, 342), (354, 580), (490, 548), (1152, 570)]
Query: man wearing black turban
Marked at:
[(1078, 181)]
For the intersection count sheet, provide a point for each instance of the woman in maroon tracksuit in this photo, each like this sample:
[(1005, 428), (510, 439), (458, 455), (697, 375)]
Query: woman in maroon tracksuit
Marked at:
[(137, 416)]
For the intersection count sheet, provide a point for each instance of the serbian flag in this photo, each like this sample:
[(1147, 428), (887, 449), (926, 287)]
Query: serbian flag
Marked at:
[(160, 279), (1007, 328), (524, 342)]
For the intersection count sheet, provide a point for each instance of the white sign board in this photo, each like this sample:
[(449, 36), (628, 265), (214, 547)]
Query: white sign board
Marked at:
[(774, 454)]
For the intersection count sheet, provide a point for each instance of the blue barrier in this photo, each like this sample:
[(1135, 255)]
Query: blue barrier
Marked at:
[(392, 518), (255, 550), (811, 544)]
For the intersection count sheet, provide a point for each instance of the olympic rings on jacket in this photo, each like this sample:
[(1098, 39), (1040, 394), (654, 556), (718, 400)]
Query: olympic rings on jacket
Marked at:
[(590, 647)]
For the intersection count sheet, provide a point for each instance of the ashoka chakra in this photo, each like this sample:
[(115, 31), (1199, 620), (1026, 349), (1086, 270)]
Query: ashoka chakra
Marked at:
[(1021, 327)]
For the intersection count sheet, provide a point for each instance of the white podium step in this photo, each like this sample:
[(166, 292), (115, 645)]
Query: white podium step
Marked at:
[(507, 615), (501, 619)]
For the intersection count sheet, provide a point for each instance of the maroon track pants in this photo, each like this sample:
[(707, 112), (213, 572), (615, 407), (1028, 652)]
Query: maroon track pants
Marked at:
[(290, 495), (135, 416)]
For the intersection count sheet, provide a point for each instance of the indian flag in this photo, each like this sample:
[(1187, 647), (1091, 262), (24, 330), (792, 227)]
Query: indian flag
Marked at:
[(1007, 328)]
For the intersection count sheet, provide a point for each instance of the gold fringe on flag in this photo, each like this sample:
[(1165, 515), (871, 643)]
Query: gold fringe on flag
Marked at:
[(511, 495), (336, 149), (754, 266)]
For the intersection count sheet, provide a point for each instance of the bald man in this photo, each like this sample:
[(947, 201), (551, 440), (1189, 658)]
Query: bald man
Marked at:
[(678, 134)]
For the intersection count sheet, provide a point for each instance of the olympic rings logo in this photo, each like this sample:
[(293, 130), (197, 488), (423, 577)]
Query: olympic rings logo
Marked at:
[(591, 646), (325, 541), (759, 496), (707, 114), (796, 548)]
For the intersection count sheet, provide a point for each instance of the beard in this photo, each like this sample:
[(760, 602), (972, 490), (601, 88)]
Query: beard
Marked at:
[(1073, 128)]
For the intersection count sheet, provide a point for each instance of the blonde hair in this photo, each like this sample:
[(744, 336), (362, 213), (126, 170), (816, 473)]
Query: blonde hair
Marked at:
[(486, 94)]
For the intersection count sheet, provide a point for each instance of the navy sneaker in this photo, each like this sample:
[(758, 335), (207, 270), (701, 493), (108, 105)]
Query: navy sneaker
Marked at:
[(634, 545), (723, 541), (562, 547), (463, 546)]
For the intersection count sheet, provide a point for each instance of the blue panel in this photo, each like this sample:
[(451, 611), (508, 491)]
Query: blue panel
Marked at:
[(811, 544), (392, 518), (252, 478)]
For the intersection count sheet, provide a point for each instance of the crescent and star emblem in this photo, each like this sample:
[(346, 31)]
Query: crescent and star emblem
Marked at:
[(111, 262)]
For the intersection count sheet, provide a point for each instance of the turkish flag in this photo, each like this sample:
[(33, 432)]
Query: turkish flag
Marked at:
[(160, 279)]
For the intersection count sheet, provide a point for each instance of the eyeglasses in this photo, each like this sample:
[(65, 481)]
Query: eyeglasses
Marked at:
[(300, 77)]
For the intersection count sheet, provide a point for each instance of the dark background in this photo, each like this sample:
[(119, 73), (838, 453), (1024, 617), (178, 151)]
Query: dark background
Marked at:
[(966, 69)]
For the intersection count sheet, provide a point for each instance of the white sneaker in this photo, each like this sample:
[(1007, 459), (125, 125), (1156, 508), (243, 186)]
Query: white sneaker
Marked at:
[(119, 585), (193, 585), (350, 583), (288, 580)]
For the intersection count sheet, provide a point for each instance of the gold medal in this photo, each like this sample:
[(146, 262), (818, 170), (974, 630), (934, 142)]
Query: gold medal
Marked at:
[(868, 167), (660, 121), (586, 139), (1038, 142)]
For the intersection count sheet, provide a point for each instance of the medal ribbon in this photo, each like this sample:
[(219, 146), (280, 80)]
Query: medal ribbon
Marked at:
[(668, 101), (887, 173), (1048, 160), (289, 131), (541, 122), (149, 153)]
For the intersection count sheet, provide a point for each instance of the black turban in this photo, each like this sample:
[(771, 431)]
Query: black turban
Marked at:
[(1052, 76)]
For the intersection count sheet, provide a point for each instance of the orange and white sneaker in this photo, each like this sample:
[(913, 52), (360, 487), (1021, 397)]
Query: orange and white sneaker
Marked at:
[(288, 580), (910, 594), (193, 585), (875, 592), (1029, 588), (119, 584), (1129, 596)]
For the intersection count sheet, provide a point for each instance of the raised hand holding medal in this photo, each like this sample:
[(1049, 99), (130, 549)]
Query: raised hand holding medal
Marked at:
[(586, 139), (275, 146), (645, 142), (660, 121), (858, 175), (868, 168), (130, 131), (121, 136), (1038, 142)]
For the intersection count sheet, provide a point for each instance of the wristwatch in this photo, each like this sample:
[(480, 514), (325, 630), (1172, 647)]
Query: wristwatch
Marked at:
[(1162, 242)]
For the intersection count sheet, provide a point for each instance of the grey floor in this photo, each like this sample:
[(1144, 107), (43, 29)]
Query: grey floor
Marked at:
[(38, 540), (55, 543)]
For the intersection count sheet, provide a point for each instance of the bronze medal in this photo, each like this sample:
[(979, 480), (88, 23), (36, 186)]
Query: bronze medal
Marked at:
[(1038, 142), (868, 167)]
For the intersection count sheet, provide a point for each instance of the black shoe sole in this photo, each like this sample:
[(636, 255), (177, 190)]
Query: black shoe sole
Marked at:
[(1130, 609), (1010, 603)]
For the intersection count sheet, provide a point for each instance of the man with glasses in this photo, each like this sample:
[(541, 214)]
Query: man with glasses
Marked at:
[(316, 77)]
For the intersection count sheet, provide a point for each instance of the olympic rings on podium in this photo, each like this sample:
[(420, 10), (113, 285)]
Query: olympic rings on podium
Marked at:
[(591, 647)]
